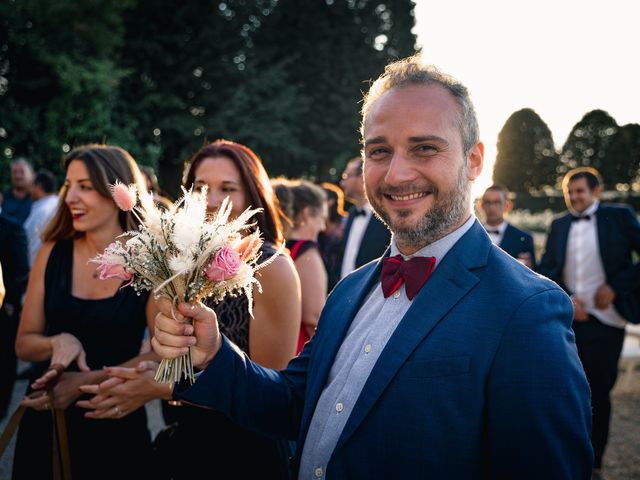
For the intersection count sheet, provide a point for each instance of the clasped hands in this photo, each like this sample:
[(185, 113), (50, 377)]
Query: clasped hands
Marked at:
[(604, 296), (127, 389)]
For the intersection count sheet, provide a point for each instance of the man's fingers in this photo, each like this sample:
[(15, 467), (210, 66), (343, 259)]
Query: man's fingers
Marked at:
[(197, 311), (167, 308), (168, 351)]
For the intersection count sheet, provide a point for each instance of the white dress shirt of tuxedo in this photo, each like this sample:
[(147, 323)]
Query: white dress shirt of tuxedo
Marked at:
[(42, 211), (367, 336), (356, 233), (496, 238), (583, 271)]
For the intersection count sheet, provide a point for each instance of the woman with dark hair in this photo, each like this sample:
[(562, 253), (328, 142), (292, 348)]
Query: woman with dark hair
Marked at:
[(74, 323), (228, 169), (307, 211)]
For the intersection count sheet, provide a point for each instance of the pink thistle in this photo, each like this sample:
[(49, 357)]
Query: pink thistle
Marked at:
[(225, 264), (124, 196)]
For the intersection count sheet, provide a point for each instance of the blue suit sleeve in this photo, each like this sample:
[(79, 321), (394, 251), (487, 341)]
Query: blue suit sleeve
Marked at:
[(538, 399), (257, 398)]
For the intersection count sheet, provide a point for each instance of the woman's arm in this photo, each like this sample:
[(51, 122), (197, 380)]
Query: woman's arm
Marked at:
[(313, 283), (273, 332)]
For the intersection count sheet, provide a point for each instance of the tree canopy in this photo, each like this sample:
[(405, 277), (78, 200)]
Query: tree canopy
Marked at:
[(282, 76)]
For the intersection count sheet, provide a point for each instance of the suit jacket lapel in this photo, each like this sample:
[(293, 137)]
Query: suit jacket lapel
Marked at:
[(603, 227), (563, 236), (451, 281)]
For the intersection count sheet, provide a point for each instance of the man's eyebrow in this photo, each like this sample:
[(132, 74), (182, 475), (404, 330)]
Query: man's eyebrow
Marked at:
[(428, 138), (422, 138)]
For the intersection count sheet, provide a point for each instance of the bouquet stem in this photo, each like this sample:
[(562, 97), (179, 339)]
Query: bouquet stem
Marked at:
[(172, 370)]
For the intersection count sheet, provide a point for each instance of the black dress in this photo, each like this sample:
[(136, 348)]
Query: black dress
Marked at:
[(111, 331), (205, 443)]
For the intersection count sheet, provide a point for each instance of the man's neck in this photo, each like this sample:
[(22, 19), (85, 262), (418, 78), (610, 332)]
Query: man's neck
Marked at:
[(495, 223), (19, 192)]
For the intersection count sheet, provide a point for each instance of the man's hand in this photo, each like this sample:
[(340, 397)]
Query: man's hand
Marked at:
[(579, 313), (173, 334), (604, 297), (525, 259)]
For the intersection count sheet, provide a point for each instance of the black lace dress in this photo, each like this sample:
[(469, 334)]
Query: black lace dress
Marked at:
[(111, 331), (206, 441)]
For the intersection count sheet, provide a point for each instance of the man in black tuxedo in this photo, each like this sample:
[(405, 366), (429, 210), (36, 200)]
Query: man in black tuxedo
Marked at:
[(365, 236), (517, 243), (589, 254), (15, 273)]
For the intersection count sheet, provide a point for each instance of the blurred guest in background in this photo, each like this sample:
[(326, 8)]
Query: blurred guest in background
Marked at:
[(362, 223), (495, 204), (16, 201), (45, 202), (308, 207), (15, 269), (589, 253), (330, 239)]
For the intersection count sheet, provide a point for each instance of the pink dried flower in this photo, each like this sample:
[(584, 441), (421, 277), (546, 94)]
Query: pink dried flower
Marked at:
[(124, 196), (248, 245), (113, 271), (225, 264)]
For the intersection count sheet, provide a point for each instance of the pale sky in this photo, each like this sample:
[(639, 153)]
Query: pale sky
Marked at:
[(562, 58)]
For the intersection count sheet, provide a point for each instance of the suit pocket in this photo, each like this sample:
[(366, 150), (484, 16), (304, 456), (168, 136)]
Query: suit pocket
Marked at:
[(437, 367)]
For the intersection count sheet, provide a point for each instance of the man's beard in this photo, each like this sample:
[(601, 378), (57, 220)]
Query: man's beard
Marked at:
[(437, 222)]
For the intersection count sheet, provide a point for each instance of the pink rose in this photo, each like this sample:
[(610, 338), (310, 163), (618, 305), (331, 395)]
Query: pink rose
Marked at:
[(225, 264), (113, 271)]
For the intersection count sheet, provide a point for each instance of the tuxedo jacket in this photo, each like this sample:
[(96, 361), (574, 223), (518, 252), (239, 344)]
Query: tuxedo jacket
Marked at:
[(481, 379), (618, 236), (15, 264), (516, 241), (375, 240)]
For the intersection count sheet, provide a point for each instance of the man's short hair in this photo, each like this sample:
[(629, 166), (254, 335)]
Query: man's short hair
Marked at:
[(589, 173), (358, 163), (496, 187), (47, 181), (411, 71)]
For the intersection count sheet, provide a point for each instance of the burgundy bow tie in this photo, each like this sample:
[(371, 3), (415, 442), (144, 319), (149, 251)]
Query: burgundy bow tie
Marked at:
[(414, 272)]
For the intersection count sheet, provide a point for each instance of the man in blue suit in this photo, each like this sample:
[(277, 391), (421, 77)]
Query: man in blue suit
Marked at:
[(474, 375), (589, 254), (517, 243)]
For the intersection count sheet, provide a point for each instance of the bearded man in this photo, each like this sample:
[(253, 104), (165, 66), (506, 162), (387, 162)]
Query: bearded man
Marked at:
[(471, 374)]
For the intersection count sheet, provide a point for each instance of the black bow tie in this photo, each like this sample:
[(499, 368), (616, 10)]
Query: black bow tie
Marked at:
[(495, 232), (358, 212), (582, 217)]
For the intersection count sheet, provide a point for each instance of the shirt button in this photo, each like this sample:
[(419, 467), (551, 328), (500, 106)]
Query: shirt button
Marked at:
[(339, 407), (318, 472), (396, 295), (367, 348)]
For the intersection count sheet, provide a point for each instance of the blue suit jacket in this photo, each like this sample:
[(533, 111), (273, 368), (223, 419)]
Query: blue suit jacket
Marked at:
[(516, 241), (481, 379), (618, 237)]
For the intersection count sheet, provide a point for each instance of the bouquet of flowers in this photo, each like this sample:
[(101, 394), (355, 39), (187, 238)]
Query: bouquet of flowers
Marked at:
[(183, 254)]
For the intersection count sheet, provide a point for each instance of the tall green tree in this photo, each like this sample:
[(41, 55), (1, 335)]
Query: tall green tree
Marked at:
[(331, 49), (588, 145), (60, 77), (622, 166), (526, 158)]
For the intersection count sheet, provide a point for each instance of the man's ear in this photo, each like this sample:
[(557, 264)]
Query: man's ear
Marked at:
[(508, 206), (475, 161)]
